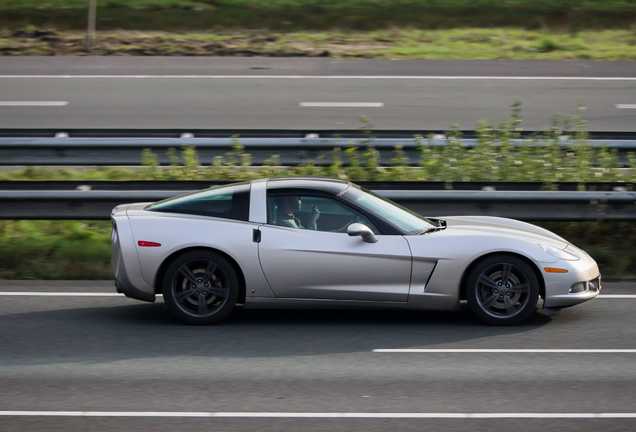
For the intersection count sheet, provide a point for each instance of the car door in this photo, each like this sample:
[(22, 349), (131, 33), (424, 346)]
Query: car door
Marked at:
[(327, 263)]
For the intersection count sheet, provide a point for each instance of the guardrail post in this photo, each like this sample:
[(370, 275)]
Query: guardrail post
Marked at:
[(90, 32)]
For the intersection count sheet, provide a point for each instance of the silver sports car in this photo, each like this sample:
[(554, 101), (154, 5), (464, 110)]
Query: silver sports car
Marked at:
[(324, 243)]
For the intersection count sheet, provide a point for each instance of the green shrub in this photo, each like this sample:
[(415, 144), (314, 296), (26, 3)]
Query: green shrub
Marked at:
[(498, 156), (54, 250), (547, 45)]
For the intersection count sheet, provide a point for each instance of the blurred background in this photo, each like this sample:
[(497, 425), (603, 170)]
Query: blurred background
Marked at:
[(408, 29), (323, 69), (138, 98)]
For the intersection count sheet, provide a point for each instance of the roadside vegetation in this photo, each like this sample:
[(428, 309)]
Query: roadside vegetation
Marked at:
[(498, 156), (189, 15), (81, 249), (394, 43), (211, 4), (55, 250), (379, 29)]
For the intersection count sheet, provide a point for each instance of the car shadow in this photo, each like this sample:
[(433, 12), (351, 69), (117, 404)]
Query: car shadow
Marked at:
[(241, 316), (108, 333)]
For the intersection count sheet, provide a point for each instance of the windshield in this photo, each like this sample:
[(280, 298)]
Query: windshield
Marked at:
[(402, 218)]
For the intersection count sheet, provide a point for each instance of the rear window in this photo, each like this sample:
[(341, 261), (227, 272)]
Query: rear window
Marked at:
[(228, 202)]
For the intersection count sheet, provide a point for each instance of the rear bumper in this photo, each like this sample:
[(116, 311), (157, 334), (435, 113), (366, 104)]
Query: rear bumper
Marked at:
[(126, 282), (123, 284)]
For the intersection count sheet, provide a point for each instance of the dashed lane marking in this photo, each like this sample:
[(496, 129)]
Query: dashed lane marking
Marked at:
[(343, 104), (34, 103)]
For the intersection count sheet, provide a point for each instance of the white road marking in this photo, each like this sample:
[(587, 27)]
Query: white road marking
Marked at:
[(107, 294), (63, 294), (626, 106), (328, 77), (34, 103), (506, 351), (343, 104), (319, 415)]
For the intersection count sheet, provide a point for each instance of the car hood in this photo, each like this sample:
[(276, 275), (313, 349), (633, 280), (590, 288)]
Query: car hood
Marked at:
[(505, 227)]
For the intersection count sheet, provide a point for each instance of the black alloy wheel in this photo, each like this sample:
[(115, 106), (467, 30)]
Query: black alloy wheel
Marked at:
[(502, 290), (200, 287)]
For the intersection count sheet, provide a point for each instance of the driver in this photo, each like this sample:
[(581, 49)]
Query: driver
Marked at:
[(285, 215)]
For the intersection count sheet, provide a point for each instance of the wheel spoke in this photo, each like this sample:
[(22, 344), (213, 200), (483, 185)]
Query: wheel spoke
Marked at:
[(209, 271), (490, 301), (220, 292), (521, 288), (182, 295), (505, 273), (184, 270), (203, 304), (485, 280), (510, 306)]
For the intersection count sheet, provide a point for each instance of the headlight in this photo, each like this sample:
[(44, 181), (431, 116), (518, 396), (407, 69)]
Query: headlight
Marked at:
[(559, 253)]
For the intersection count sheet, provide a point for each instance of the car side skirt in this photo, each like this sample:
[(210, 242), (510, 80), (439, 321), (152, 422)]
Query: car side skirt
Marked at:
[(297, 303)]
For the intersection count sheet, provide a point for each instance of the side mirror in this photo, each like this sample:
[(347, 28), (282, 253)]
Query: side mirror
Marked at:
[(358, 229)]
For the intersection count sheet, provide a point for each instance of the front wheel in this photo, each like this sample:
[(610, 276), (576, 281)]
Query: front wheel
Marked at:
[(200, 287), (502, 290)]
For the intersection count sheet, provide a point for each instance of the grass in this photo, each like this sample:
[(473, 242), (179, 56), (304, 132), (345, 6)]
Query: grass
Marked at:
[(53, 250), (302, 15), (380, 44), (155, 4)]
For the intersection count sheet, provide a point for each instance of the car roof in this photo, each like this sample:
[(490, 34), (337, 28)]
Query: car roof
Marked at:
[(334, 186)]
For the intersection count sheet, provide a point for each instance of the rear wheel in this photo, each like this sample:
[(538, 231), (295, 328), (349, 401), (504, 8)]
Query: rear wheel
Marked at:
[(502, 290), (200, 287)]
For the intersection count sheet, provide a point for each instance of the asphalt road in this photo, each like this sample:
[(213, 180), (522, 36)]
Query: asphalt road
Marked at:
[(114, 355), (270, 93)]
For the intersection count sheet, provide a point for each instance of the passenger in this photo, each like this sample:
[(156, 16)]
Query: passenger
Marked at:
[(286, 206)]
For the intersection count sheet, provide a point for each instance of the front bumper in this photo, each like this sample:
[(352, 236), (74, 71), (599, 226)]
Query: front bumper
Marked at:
[(558, 284)]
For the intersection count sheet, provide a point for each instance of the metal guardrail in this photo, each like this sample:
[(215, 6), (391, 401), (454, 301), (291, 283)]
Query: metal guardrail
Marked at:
[(263, 133), (118, 151), (181, 185), (523, 205)]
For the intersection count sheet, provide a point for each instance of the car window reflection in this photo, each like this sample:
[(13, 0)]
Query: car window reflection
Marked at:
[(314, 213)]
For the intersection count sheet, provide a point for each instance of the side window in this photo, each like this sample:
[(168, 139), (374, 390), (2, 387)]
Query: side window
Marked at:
[(228, 202), (311, 212)]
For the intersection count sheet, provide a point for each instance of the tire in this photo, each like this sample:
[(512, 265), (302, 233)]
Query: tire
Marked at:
[(502, 290), (200, 287)]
